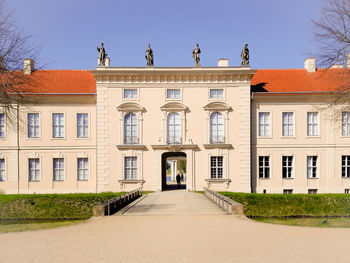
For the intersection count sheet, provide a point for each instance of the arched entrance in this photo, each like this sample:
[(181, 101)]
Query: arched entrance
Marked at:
[(173, 163)]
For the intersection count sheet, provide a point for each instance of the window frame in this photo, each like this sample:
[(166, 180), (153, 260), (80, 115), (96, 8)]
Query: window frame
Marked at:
[(217, 168), (3, 170), (345, 168), (293, 125), (264, 167), (35, 169), (77, 126), (168, 137), (128, 99), (269, 124), (53, 126), (59, 169), (289, 174), (83, 169), (312, 166), (39, 124), (308, 133), (347, 123), (217, 140), (125, 133), (131, 168), (171, 99), (3, 126), (217, 98)]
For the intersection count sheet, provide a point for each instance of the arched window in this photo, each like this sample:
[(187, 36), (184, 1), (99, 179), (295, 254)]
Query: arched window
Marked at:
[(216, 128), (174, 128), (130, 129)]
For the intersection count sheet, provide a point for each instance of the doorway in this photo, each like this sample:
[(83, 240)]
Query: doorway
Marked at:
[(173, 164)]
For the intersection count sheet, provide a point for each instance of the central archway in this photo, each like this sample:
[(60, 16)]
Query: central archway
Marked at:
[(169, 178)]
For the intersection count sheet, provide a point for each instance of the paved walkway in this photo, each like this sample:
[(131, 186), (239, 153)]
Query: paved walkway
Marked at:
[(148, 233)]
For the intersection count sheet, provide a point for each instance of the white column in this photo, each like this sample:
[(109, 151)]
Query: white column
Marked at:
[(172, 171), (175, 166)]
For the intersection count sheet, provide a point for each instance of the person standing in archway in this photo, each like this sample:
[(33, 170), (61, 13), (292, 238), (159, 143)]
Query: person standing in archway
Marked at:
[(178, 180)]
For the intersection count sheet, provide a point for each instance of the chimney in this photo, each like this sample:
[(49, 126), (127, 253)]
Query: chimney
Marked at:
[(223, 62), (310, 64), (28, 66)]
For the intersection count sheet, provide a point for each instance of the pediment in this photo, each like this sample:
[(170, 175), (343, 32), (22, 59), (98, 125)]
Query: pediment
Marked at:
[(130, 106), (217, 106), (174, 106)]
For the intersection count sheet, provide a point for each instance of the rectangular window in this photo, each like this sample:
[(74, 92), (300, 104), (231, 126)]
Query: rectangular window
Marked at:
[(33, 125), (130, 93), (287, 166), (264, 166), (264, 124), (2, 125), (2, 169), (82, 125), (216, 167), (287, 191), (312, 124), (345, 166), (216, 93), (130, 168), (58, 125), (347, 191), (34, 169), (312, 191), (346, 123), (58, 169), (287, 124), (312, 167), (83, 169), (173, 94)]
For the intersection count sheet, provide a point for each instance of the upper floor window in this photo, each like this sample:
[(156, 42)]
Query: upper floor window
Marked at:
[(312, 167), (216, 128), (312, 124), (216, 93), (130, 129), (82, 125), (345, 166), (83, 169), (58, 125), (2, 125), (130, 168), (287, 123), (173, 94), (34, 169), (264, 124), (2, 169), (216, 167), (58, 169), (33, 125), (264, 166), (174, 128), (287, 166), (346, 123), (130, 93)]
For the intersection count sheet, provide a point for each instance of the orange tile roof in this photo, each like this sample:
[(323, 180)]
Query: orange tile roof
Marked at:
[(62, 82), (299, 80)]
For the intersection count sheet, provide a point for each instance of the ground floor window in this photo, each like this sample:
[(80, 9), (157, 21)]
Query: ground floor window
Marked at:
[(347, 191), (312, 191), (264, 166), (312, 167), (288, 191), (216, 167), (287, 166), (345, 166), (83, 169), (34, 169), (58, 169), (130, 168), (2, 169)]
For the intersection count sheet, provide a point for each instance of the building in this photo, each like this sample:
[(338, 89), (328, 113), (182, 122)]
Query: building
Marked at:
[(239, 129)]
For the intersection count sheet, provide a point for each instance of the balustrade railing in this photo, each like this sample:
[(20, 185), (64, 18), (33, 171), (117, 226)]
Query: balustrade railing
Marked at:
[(174, 140), (217, 139), (131, 140)]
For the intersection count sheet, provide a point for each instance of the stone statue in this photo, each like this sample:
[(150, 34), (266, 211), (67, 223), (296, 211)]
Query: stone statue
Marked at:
[(245, 56), (102, 55), (195, 54), (149, 56)]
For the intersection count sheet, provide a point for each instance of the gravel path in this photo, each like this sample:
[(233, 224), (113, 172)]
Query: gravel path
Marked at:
[(186, 233)]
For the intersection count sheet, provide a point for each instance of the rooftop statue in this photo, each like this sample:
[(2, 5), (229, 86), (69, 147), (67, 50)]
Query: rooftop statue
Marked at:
[(149, 56), (102, 55), (245, 56), (195, 54)]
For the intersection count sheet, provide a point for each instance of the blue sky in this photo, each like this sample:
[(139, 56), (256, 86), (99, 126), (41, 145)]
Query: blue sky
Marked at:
[(279, 32)]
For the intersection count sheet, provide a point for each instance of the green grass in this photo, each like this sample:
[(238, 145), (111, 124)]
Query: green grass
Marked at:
[(310, 222), (279, 205), (26, 226), (48, 206)]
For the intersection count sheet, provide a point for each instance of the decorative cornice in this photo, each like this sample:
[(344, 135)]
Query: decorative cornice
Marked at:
[(174, 75), (174, 147), (131, 147), (218, 145), (130, 106), (217, 106), (174, 106)]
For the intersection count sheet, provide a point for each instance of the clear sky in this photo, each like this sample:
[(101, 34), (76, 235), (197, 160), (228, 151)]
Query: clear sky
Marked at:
[(279, 32)]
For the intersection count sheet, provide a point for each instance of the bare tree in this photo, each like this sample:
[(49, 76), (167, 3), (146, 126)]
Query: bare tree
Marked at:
[(14, 47)]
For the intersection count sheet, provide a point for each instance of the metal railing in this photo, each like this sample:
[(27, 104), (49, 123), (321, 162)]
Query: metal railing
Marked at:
[(174, 140), (131, 140), (227, 204), (217, 140), (113, 205)]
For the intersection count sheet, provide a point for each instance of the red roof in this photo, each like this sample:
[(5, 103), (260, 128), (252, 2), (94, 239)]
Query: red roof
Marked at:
[(63, 82), (299, 80)]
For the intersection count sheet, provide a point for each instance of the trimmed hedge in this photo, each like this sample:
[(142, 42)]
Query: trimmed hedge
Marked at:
[(51, 206), (282, 205)]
